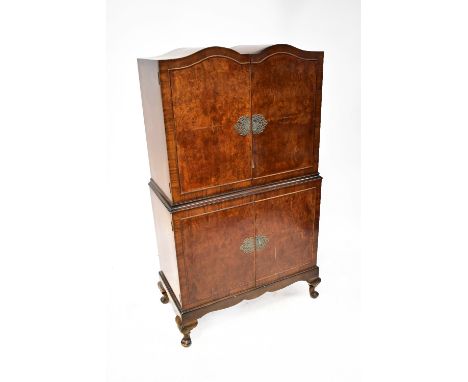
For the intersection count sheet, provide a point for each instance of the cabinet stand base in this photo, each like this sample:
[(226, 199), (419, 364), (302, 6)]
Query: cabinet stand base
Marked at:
[(187, 319)]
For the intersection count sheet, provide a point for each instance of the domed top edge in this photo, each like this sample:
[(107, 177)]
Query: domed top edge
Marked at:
[(239, 49)]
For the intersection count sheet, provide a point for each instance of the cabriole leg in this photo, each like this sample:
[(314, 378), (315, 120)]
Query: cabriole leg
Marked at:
[(185, 327), (312, 285), (164, 298)]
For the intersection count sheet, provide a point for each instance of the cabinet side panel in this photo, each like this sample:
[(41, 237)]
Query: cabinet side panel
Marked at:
[(166, 244), (318, 110), (154, 123)]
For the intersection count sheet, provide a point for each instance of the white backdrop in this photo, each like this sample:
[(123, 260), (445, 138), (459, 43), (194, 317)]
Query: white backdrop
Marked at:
[(283, 335), (58, 269)]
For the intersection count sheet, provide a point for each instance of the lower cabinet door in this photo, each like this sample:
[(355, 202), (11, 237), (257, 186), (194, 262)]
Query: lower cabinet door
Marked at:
[(218, 255), (286, 233)]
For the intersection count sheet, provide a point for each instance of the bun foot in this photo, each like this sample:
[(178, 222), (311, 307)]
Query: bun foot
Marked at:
[(312, 285), (164, 298), (185, 328), (186, 341)]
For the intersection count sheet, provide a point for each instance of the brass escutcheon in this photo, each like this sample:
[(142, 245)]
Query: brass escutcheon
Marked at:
[(258, 123), (250, 244), (242, 125)]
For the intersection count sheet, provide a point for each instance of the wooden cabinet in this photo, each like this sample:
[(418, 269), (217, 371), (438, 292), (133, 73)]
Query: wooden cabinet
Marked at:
[(233, 139)]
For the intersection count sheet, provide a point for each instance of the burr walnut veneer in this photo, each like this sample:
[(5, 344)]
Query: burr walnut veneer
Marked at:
[(233, 142)]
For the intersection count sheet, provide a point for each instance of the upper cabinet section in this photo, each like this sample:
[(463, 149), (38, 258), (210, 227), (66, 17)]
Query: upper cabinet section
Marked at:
[(230, 118)]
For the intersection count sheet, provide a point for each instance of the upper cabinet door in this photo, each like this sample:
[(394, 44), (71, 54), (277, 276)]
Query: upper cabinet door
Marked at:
[(213, 148), (286, 100)]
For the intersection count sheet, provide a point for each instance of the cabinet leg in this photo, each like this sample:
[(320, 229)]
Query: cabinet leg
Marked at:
[(164, 297), (312, 285), (185, 327)]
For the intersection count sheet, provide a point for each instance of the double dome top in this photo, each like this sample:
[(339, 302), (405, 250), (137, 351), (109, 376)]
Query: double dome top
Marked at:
[(239, 49)]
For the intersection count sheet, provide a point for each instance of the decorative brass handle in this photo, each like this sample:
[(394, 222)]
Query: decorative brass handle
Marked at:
[(249, 244), (258, 123), (242, 125)]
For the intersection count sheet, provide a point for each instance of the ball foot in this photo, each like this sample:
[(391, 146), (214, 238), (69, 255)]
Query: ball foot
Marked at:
[(185, 327), (186, 341)]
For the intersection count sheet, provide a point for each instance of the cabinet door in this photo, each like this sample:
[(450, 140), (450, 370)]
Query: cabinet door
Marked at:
[(208, 98), (285, 96), (286, 230), (218, 258)]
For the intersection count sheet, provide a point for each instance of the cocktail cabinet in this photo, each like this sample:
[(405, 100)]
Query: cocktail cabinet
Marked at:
[(233, 141)]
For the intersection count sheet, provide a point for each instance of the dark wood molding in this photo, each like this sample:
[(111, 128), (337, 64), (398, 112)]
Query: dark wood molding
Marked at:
[(228, 195), (311, 276), (172, 297), (161, 195)]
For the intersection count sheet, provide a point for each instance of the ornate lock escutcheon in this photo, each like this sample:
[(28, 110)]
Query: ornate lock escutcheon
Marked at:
[(258, 123), (260, 242), (242, 125), (250, 244)]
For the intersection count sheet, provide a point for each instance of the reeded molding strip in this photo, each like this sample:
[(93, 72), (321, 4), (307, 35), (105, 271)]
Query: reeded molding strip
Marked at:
[(228, 195)]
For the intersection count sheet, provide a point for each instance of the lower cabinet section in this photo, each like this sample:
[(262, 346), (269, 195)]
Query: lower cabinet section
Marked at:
[(218, 251), (229, 247)]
